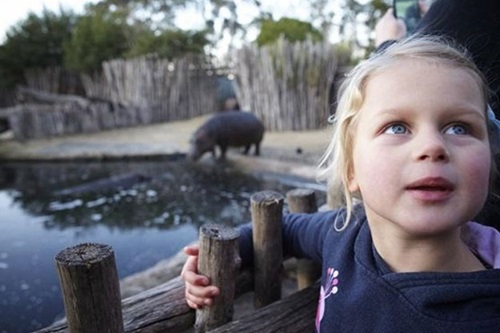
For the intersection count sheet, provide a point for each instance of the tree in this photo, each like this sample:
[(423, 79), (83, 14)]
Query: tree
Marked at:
[(155, 14), (99, 35), (322, 15), (35, 42), (221, 17), (169, 44), (122, 28), (358, 22), (292, 30)]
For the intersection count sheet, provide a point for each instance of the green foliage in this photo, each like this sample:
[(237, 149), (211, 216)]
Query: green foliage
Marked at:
[(344, 52), (35, 42), (358, 19), (292, 30), (155, 14), (126, 28), (169, 44), (98, 36)]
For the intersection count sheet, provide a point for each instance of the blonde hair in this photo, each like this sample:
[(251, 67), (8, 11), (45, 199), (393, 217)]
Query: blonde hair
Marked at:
[(336, 166)]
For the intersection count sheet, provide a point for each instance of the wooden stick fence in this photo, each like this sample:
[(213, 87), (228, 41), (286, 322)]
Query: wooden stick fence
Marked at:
[(287, 85), (140, 91), (88, 277)]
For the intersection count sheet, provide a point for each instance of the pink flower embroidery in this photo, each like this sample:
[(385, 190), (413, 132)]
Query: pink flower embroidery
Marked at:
[(330, 288)]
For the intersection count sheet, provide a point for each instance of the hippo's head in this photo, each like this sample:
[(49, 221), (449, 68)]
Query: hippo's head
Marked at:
[(200, 143)]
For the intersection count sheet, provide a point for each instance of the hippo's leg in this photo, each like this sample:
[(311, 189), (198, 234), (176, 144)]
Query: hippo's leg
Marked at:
[(257, 148), (247, 148), (213, 153), (223, 149)]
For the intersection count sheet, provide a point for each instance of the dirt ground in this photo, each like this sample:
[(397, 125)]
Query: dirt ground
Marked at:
[(158, 140)]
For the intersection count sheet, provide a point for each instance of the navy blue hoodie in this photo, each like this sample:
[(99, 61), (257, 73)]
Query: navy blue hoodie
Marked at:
[(359, 292)]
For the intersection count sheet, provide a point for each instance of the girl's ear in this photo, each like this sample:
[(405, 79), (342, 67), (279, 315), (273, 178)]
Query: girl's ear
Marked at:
[(352, 185)]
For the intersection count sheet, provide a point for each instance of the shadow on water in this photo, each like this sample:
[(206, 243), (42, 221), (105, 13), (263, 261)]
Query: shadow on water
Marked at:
[(145, 210)]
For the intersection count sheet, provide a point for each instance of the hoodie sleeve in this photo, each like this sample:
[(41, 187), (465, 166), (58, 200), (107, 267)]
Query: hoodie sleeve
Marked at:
[(303, 236)]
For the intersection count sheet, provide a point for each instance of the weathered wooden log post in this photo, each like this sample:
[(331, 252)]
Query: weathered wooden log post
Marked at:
[(335, 198), (267, 213), (90, 287), (301, 200), (219, 260), (304, 201)]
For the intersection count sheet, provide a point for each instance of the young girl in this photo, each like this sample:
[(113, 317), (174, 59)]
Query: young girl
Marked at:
[(411, 141)]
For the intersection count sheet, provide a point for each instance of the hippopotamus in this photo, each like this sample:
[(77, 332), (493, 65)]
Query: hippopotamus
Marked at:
[(227, 129)]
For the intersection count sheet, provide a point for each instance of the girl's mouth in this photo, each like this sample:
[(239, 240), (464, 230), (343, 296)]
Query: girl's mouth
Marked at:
[(431, 184), (431, 189)]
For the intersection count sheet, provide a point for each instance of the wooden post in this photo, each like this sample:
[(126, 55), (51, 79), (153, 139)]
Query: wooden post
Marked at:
[(90, 287), (304, 201), (267, 213), (335, 199), (301, 200), (219, 260)]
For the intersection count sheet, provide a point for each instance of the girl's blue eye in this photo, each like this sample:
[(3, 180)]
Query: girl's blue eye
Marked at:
[(396, 129), (457, 129)]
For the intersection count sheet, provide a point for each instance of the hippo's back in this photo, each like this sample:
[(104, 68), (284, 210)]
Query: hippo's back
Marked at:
[(237, 128)]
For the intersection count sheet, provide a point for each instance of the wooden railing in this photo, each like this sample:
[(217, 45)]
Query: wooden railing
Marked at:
[(91, 294)]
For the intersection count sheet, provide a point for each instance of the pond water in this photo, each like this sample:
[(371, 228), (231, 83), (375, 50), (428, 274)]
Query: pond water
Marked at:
[(146, 211)]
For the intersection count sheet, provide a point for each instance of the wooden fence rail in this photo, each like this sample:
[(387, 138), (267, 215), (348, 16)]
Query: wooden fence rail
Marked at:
[(164, 309)]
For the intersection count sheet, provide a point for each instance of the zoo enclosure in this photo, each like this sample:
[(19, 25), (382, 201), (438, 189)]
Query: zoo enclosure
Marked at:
[(289, 86), (141, 91)]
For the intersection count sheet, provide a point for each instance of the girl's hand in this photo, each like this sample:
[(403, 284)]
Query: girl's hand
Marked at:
[(198, 291)]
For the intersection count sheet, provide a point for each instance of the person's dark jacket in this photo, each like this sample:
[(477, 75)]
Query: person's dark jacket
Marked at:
[(476, 26)]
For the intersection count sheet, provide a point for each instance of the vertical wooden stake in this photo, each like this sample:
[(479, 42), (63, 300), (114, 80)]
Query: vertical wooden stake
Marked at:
[(304, 201), (90, 287), (335, 199), (267, 213), (219, 260)]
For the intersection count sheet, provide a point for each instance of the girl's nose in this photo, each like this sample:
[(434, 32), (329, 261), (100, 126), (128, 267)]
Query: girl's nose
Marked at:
[(431, 147)]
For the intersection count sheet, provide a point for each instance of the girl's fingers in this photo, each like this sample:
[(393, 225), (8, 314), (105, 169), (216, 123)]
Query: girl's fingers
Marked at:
[(191, 250), (192, 278), (190, 269), (198, 292), (192, 305), (195, 302), (199, 304), (198, 298), (202, 292)]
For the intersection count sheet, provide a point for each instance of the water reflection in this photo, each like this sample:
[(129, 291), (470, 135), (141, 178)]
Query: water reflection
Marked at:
[(117, 194), (145, 210)]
